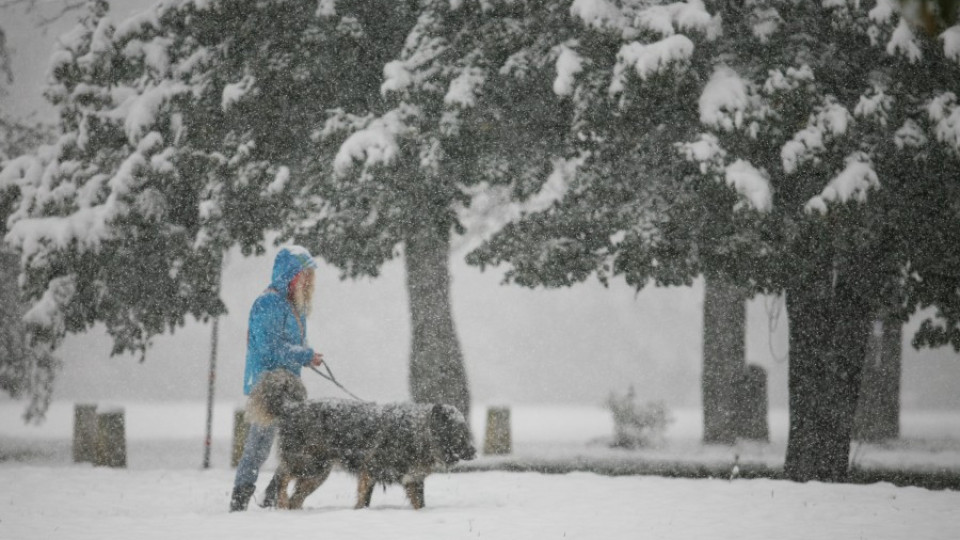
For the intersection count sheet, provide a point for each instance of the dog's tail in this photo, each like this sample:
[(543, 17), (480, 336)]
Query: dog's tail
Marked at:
[(275, 391)]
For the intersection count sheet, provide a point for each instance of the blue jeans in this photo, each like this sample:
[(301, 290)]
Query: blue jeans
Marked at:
[(255, 452)]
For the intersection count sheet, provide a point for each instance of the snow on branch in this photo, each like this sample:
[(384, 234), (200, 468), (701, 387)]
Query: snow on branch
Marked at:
[(679, 16), (633, 17), (463, 88), (33, 177), (853, 183), (373, 143), (904, 42), (751, 183), (874, 105), (944, 111), (47, 312), (600, 14), (148, 19), (910, 134), (326, 8), (139, 111), (418, 64), (35, 233), (793, 78), (649, 59), (830, 121), (569, 64), (764, 22), (396, 77), (279, 182), (706, 151), (492, 208), (951, 43), (882, 12), (235, 92), (154, 53), (724, 100)]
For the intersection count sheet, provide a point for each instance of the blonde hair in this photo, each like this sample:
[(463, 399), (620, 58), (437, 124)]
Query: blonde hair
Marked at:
[(300, 291)]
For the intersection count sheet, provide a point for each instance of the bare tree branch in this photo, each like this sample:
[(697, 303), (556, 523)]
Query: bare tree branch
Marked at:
[(66, 8), (30, 6), (5, 58)]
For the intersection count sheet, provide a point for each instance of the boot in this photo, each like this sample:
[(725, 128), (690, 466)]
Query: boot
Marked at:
[(241, 496), (271, 494)]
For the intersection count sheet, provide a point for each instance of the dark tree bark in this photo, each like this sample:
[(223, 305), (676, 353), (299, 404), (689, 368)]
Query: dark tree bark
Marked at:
[(878, 412), (724, 336), (829, 324), (437, 373)]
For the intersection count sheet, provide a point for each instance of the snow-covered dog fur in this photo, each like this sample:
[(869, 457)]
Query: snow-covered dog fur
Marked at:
[(386, 444)]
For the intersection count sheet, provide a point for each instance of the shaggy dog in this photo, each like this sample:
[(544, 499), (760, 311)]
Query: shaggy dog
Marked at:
[(386, 444)]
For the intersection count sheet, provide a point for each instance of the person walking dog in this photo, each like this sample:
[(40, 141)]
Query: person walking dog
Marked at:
[(276, 339)]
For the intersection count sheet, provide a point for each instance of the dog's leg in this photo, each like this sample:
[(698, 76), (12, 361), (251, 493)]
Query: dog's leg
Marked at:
[(414, 491), (307, 485), (283, 481), (365, 486)]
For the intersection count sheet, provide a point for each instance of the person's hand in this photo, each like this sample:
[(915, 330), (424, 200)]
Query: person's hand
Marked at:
[(317, 360)]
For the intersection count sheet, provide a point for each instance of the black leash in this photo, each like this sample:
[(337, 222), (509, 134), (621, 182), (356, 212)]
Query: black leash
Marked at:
[(329, 376)]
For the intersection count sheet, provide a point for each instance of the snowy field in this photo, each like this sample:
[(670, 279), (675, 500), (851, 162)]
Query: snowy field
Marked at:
[(82, 502), (165, 494)]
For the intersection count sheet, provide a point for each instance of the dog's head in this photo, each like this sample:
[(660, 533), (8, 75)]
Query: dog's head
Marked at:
[(451, 435), (274, 392)]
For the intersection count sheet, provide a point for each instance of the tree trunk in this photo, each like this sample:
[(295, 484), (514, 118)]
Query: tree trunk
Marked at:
[(437, 373), (724, 336), (878, 413), (829, 325)]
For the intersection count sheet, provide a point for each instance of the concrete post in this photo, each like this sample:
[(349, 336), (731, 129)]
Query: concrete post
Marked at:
[(752, 423), (112, 439), (497, 440), (84, 433), (240, 428)]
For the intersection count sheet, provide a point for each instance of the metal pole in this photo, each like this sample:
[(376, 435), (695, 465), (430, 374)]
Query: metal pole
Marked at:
[(210, 387)]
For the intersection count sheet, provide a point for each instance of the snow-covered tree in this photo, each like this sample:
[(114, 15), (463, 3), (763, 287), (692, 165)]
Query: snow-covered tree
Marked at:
[(107, 219), (170, 153), (357, 127), (818, 157), (27, 369), (464, 116)]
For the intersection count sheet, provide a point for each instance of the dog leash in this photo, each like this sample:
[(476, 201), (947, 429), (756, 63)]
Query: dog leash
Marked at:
[(329, 376)]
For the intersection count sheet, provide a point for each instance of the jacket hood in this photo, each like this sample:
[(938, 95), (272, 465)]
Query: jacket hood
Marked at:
[(288, 263)]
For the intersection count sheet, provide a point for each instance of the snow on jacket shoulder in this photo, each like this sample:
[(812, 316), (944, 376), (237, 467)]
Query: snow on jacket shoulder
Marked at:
[(277, 336)]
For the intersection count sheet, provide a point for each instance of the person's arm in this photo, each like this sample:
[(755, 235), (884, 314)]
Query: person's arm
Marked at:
[(281, 348)]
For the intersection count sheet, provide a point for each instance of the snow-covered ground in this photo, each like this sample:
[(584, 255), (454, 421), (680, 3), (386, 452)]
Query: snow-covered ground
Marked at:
[(165, 494), (83, 502)]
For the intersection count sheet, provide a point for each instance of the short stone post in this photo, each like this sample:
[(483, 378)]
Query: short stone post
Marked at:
[(84, 433), (240, 428), (752, 408), (497, 441), (112, 439)]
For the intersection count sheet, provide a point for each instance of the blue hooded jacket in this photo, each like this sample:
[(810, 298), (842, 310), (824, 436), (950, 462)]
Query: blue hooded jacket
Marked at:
[(277, 335)]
